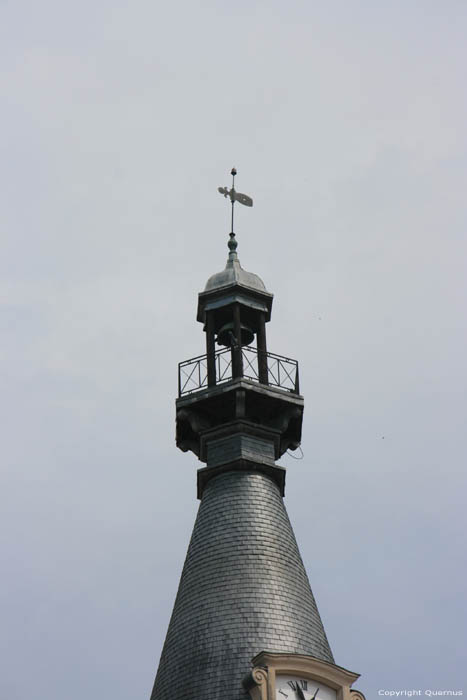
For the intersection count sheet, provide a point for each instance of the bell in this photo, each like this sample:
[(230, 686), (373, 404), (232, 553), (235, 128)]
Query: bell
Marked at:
[(226, 335)]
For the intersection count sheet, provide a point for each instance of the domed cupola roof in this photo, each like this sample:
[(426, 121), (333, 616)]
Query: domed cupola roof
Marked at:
[(234, 274), (234, 284)]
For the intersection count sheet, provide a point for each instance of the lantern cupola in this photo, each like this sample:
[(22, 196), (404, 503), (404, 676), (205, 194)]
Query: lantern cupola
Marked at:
[(239, 405), (234, 309)]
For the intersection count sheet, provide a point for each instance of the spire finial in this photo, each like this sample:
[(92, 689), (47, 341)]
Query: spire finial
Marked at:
[(232, 245), (234, 197)]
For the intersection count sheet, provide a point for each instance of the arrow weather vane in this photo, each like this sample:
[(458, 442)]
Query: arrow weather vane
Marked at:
[(235, 197)]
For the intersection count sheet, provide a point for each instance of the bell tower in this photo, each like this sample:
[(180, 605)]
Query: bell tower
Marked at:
[(245, 623)]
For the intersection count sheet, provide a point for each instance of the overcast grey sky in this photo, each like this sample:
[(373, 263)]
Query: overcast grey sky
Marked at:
[(346, 121)]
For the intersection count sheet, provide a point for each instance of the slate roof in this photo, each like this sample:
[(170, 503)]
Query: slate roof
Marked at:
[(243, 590)]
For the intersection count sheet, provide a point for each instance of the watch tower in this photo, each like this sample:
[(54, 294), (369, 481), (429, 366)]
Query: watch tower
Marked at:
[(245, 623)]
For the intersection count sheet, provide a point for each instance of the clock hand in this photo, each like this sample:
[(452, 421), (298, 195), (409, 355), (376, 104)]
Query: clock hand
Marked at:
[(300, 693), (316, 693)]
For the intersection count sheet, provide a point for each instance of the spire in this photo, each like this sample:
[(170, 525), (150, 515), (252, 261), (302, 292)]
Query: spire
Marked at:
[(243, 590), (233, 273), (234, 197)]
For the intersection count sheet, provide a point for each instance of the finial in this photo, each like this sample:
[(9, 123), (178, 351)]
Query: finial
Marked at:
[(234, 197), (232, 244)]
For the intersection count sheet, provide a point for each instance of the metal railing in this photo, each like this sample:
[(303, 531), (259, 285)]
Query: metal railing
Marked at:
[(282, 372)]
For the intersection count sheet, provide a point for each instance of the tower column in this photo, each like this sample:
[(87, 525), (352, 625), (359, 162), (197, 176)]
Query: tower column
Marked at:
[(237, 363), (210, 349), (261, 344)]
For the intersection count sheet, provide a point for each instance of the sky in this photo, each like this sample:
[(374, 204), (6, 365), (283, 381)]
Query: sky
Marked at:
[(346, 122)]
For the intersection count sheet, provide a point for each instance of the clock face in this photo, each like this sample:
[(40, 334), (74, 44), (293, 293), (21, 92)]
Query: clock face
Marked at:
[(297, 688)]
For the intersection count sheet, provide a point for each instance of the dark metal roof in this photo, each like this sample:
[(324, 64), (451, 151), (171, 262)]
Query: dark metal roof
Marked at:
[(234, 274), (234, 284), (243, 590)]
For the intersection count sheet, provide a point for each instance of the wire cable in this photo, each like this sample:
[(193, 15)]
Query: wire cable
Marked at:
[(293, 456)]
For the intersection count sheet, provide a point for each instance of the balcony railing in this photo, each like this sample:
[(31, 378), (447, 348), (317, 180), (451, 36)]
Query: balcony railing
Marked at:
[(282, 372)]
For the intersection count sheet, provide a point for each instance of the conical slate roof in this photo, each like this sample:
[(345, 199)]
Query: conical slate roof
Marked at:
[(243, 590)]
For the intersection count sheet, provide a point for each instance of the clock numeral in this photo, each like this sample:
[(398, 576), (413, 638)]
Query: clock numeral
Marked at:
[(298, 686), (284, 694)]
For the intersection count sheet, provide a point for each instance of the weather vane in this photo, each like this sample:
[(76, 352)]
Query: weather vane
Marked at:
[(235, 196)]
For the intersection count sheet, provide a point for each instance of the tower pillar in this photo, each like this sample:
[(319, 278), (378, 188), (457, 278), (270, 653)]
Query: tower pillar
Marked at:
[(261, 344), (237, 363), (210, 348)]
